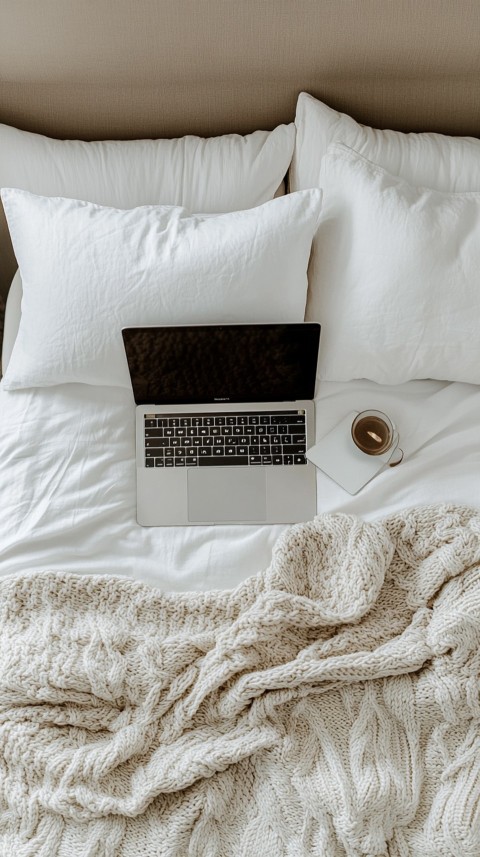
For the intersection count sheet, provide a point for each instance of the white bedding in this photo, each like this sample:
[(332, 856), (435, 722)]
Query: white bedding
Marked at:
[(67, 481)]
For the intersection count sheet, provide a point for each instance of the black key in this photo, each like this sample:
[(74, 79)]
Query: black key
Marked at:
[(149, 462), (296, 420), (272, 429), (242, 450), (196, 421), (242, 421), (264, 440), (254, 450), (159, 462), (180, 452), (215, 430), (276, 421), (204, 451), (219, 421), (218, 441), (187, 441), (203, 431), (208, 421), (230, 450), (275, 438), (249, 429), (286, 438), (150, 423), (179, 462), (181, 431), (244, 440), (158, 442), (207, 441), (231, 441), (160, 453), (253, 421), (192, 432), (213, 460), (185, 421), (173, 421), (298, 429), (277, 459), (299, 438), (255, 459), (293, 449), (152, 453), (265, 420), (162, 421), (238, 430), (266, 459), (169, 453), (169, 462), (197, 441), (218, 450), (174, 441), (282, 429), (168, 432), (288, 459), (191, 462), (261, 430), (276, 450), (300, 459), (231, 421), (154, 432), (226, 430)]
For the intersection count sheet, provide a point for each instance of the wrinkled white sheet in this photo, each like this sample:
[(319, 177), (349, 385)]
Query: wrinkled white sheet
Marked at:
[(67, 482)]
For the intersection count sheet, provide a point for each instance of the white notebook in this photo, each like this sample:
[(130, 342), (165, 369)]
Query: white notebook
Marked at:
[(338, 457)]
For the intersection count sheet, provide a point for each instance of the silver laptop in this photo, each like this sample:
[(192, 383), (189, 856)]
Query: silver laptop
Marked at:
[(224, 418)]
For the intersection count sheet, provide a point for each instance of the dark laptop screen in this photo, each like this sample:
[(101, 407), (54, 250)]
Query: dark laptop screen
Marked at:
[(202, 364)]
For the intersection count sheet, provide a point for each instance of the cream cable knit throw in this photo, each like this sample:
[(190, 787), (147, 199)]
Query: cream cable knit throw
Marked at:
[(328, 706)]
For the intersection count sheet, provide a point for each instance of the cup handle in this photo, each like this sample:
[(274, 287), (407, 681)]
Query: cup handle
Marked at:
[(398, 454)]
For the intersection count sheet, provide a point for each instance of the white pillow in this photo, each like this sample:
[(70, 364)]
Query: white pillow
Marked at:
[(214, 174), (89, 270), (395, 277), (430, 160)]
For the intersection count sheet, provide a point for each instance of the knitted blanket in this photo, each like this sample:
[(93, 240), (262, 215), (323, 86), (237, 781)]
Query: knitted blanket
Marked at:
[(328, 706)]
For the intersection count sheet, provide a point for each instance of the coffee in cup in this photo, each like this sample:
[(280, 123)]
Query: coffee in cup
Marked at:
[(374, 434)]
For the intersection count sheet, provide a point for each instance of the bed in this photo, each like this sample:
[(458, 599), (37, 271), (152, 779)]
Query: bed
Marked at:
[(288, 97)]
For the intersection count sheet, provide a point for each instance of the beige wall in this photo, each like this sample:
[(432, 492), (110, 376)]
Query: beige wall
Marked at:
[(123, 68)]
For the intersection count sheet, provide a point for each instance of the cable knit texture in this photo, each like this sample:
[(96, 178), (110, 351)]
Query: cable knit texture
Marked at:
[(328, 706)]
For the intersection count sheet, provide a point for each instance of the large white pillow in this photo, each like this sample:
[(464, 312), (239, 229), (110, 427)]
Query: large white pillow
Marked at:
[(88, 270), (214, 174), (395, 276), (430, 160)]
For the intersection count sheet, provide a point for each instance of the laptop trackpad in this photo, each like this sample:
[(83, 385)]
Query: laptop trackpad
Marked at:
[(227, 494)]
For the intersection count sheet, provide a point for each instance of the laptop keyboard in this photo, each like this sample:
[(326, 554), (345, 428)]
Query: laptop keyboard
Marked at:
[(203, 440)]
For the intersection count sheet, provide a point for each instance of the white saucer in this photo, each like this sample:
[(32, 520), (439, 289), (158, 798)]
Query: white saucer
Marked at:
[(338, 457)]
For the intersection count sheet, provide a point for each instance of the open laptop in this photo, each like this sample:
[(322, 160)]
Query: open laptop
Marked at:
[(224, 418)]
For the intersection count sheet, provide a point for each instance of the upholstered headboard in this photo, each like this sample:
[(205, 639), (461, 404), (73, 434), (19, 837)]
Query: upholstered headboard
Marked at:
[(96, 69)]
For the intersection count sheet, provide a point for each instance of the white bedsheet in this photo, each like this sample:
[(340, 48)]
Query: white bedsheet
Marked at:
[(67, 482)]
